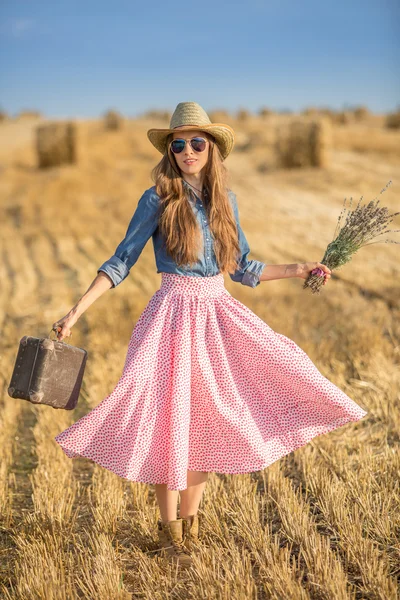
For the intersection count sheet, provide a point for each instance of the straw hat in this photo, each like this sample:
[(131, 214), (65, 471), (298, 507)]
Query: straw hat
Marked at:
[(190, 115)]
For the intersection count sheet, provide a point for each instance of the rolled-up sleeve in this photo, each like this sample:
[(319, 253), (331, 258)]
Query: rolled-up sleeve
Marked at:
[(249, 270), (141, 227)]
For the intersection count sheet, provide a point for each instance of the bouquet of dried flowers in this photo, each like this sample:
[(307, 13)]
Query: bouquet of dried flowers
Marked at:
[(361, 225)]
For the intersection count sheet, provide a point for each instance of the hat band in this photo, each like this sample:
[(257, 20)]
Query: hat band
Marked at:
[(187, 125)]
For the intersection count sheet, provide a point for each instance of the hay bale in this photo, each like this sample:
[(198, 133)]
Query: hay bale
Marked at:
[(29, 114), (260, 139), (310, 111), (56, 144), (329, 113), (162, 115), (393, 120), (242, 114), (166, 115), (242, 141), (219, 116), (343, 117), (3, 116), (265, 112), (113, 120), (304, 143), (314, 112), (361, 113)]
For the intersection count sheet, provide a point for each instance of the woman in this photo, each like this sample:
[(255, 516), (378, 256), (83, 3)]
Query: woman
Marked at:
[(207, 386)]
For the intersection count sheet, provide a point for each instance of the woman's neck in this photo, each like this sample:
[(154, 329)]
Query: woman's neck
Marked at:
[(195, 181)]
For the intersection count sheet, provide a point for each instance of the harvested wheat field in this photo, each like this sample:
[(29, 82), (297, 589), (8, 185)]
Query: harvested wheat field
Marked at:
[(322, 522)]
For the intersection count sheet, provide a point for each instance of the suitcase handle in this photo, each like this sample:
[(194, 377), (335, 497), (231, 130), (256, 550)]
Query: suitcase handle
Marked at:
[(55, 329)]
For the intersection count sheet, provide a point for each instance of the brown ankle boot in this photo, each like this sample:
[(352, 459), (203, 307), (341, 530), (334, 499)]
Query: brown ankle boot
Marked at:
[(190, 531), (171, 542)]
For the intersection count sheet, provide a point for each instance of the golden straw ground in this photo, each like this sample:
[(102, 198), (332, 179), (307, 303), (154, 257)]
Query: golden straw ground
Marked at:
[(320, 521)]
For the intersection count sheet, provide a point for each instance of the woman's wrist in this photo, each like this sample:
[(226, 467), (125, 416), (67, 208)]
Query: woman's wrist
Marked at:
[(284, 271), (292, 270)]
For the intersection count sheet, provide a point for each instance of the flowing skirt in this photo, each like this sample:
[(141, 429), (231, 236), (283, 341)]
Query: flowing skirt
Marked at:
[(207, 385)]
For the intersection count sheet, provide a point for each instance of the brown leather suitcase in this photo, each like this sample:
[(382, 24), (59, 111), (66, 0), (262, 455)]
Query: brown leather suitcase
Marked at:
[(48, 371)]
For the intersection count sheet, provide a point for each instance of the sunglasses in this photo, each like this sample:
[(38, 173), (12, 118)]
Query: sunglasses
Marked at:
[(197, 143)]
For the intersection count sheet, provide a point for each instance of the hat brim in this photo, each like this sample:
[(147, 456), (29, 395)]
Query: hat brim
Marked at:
[(224, 136)]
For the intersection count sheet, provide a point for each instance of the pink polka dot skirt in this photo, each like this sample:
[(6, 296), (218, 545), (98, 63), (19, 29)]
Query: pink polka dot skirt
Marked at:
[(207, 386)]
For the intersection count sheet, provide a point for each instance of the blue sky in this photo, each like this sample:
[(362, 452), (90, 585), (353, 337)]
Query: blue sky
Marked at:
[(81, 58)]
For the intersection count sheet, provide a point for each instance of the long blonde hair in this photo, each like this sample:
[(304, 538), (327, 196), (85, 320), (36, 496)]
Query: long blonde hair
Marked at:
[(178, 225)]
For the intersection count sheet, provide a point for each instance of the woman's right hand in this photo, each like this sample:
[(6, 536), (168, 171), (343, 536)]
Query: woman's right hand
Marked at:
[(66, 323)]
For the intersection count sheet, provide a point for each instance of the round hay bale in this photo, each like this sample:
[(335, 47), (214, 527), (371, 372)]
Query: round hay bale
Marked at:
[(393, 120), (361, 113), (3, 116), (320, 112), (310, 111), (113, 120), (304, 143), (242, 141), (29, 114), (265, 112), (219, 116), (161, 115), (330, 114), (56, 144), (343, 117), (242, 114), (320, 140)]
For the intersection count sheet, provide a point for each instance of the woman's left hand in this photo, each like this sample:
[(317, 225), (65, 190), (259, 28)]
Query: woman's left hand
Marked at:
[(304, 270)]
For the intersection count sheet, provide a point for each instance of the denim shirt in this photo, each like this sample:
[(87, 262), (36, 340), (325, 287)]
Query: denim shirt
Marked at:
[(144, 224)]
